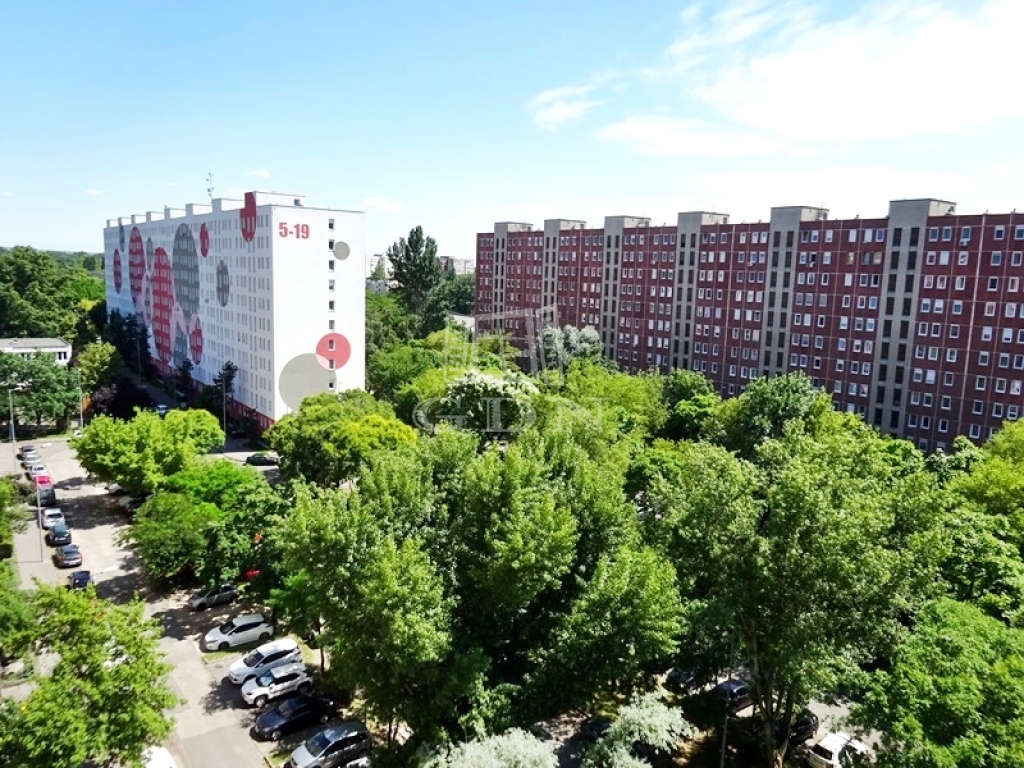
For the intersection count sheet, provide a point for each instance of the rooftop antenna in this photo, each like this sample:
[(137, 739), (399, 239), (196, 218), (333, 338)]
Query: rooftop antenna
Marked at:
[(209, 189)]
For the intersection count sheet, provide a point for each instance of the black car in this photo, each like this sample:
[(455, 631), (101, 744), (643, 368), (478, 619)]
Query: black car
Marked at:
[(805, 725), (58, 535), (293, 714), (594, 728), (734, 695), (79, 580), (262, 460), (47, 497)]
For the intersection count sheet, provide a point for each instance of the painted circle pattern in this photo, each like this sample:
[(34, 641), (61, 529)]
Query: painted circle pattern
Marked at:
[(163, 304), (136, 267), (117, 270), (223, 284), (195, 340), (333, 348), (204, 240), (185, 261)]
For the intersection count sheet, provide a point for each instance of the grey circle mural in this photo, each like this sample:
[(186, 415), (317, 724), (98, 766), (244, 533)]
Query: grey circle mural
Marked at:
[(185, 266), (302, 377), (223, 284), (341, 250), (180, 350), (150, 255)]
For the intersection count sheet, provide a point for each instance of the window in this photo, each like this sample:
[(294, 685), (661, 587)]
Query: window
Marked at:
[(330, 306), (933, 234), (330, 223), (330, 285), (947, 233), (980, 383), (1018, 232), (330, 265), (997, 258), (999, 233)]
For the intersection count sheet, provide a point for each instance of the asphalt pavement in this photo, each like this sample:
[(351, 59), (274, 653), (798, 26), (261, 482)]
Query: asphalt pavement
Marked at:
[(212, 723)]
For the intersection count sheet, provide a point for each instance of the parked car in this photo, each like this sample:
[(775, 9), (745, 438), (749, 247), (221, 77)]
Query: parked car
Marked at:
[(292, 714), (161, 410), (805, 725), (26, 449), (67, 556), (35, 470), (239, 631), (277, 682), (262, 460), (158, 757), (336, 745), (267, 656), (683, 680), (594, 728), (28, 458), (734, 694), (828, 752), (113, 489), (46, 495), (51, 517), (225, 593), (79, 579), (42, 482), (59, 534)]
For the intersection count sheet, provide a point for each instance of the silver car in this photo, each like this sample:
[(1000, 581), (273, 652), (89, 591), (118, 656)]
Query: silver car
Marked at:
[(335, 745)]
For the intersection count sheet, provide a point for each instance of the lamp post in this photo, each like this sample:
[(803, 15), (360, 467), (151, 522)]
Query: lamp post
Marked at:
[(81, 416), (14, 446)]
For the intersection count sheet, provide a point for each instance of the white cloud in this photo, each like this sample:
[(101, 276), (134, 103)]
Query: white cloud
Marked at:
[(94, 192), (6, 193), (554, 108), (381, 204), (681, 137), (260, 173)]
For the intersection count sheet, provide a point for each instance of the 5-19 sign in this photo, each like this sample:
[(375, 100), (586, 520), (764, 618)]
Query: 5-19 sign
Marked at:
[(300, 231)]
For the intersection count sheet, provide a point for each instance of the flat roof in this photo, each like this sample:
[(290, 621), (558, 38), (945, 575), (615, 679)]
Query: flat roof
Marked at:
[(33, 343)]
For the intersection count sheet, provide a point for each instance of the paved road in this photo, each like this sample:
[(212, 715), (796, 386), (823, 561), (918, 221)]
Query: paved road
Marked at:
[(211, 725)]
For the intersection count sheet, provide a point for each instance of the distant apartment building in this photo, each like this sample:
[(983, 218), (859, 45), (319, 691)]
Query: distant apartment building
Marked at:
[(268, 283), (58, 348), (914, 320), (377, 259), (457, 266)]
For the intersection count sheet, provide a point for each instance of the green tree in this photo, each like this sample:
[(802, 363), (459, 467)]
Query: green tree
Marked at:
[(514, 748), (765, 407), (100, 365), (46, 391), (954, 695), (806, 564), (183, 382), (131, 338), (492, 406), (452, 294), (107, 663), (394, 367), (995, 482), (330, 435), (645, 720), (691, 400), (387, 323), (139, 454), (171, 533), (415, 268)]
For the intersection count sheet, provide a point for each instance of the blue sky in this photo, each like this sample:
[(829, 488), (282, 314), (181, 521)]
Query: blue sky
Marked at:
[(454, 115)]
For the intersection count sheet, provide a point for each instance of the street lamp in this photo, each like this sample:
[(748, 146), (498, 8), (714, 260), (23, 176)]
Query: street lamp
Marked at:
[(81, 417), (14, 446)]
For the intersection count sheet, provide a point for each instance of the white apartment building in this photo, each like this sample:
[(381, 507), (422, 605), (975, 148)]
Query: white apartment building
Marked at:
[(268, 283)]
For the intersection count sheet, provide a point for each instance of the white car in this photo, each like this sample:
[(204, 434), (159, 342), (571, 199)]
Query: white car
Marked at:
[(267, 656), (277, 682), (158, 757), (239, 631), (827, 753), (35, 470), (51, 517)]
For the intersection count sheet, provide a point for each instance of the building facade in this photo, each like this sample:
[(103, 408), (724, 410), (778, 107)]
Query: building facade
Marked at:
[(60, 349), (268, 283), (914, 320)]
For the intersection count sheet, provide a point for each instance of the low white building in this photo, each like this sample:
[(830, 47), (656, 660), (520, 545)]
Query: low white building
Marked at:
[(268, 283), (59, 348)]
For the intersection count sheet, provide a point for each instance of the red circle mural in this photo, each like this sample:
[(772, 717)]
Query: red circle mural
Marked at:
[(195, 340), (136, 266), (163, 304), (204, 240), (333, 347), (117, 270), (248, 217)]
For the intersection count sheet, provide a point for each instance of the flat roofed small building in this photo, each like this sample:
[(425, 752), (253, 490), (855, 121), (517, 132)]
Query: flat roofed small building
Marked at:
[(59, 348)]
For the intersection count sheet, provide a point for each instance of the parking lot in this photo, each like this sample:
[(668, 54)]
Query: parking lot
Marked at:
[(212, 723)]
